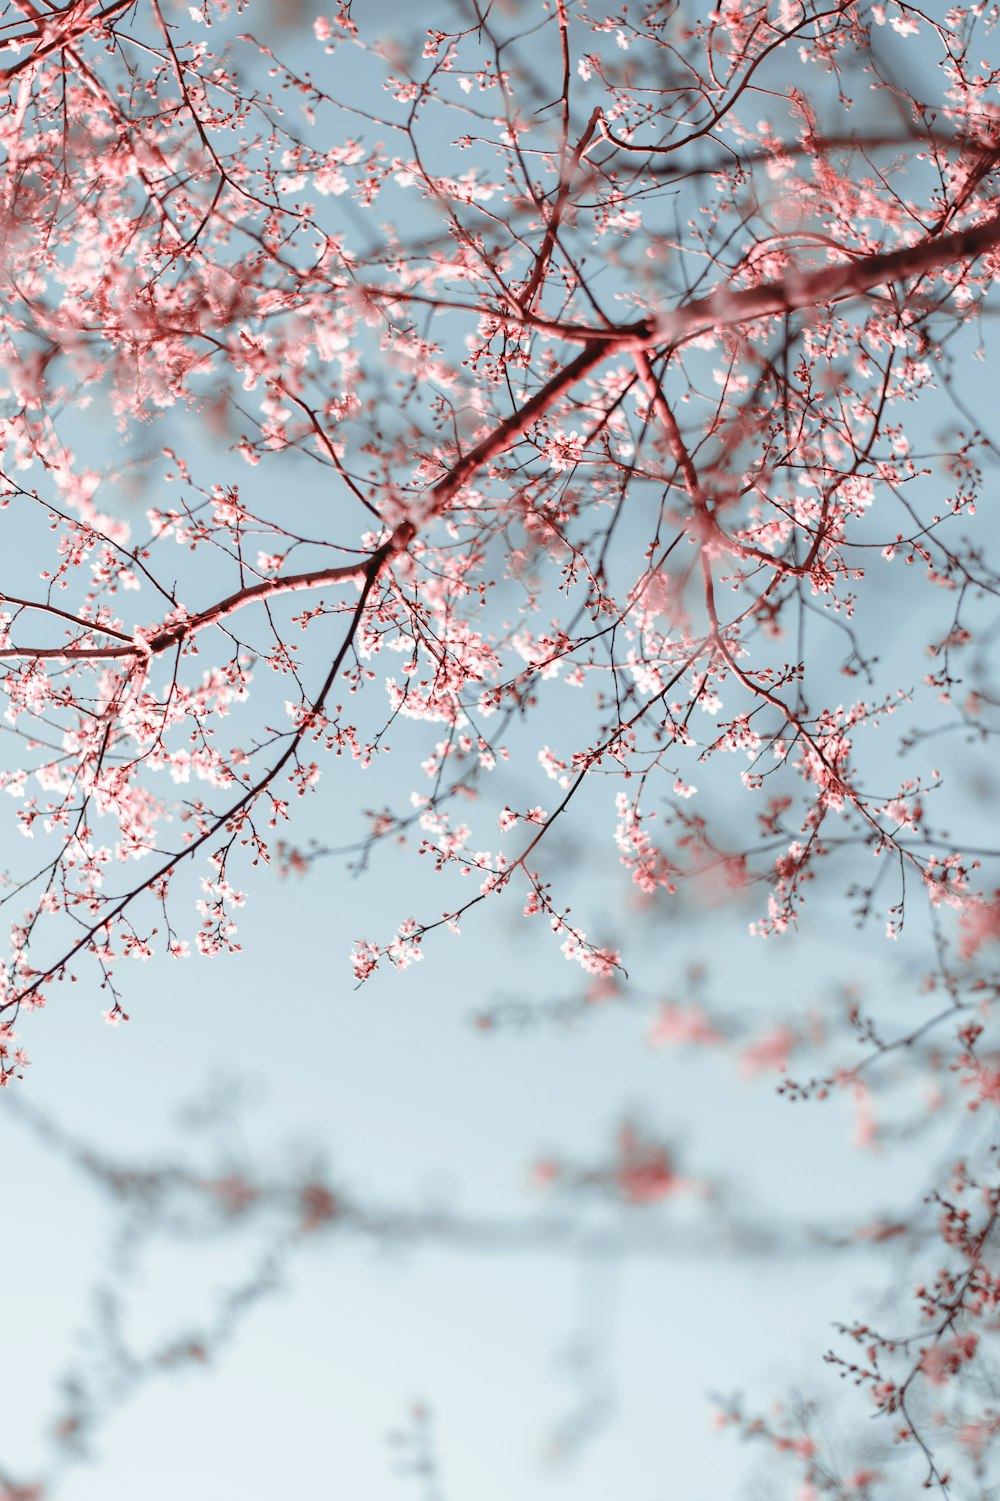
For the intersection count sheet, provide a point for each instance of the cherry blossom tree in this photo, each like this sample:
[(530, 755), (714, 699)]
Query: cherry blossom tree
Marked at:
[(631, 349)]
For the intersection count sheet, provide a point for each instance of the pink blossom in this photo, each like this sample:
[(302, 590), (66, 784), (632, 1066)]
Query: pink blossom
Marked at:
[(979, 924), (678, 1025), (770, 1053), (943, 1360)]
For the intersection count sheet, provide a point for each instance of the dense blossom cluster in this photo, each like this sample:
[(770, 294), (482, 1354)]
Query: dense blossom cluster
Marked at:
[(735, 439)]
